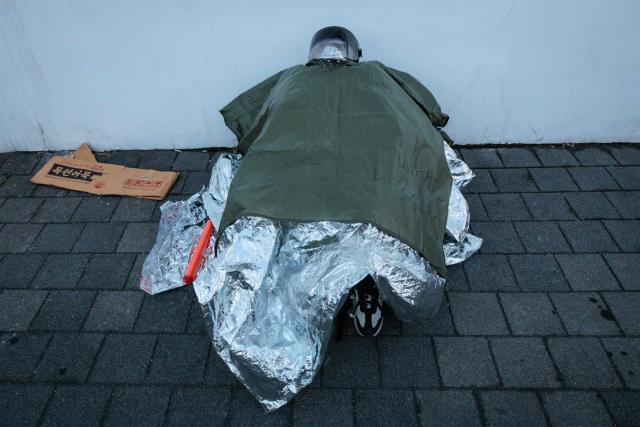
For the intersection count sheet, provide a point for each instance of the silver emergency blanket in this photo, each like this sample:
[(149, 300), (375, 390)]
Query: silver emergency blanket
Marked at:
[(274, 288)]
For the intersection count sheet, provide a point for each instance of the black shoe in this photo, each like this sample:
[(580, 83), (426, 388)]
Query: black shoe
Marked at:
[(367, 310)]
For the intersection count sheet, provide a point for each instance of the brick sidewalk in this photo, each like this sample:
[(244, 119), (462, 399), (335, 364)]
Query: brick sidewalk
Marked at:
[(541, 327)]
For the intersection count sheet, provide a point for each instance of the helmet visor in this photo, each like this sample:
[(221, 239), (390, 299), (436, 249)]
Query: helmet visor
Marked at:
[(329, 49)]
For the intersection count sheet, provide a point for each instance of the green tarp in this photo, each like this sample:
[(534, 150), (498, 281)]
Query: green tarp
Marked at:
[(351, 143)]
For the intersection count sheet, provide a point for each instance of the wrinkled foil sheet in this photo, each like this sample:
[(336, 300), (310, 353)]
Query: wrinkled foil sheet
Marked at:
[(274, 288)]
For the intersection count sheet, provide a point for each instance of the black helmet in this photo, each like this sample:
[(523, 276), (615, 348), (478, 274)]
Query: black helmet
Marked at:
[(335, 44)]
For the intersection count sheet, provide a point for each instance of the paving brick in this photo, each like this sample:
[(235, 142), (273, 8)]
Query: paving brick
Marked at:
[(408, 362), (16, 186), (132, 406), (165, 312), (553, 179), (19, 354), (524, 362), (20, 163), (593, 156), (505, 207), (60, 271), (16, 238), (17, 270), (373, 406), (107, 271), (199, 319), (179, 359), (447, 408), (217, 372), (114, 311), (157, 159), (476, 209), (316, 407), (56, 209), (482, 183), (63, 311), (626, 268), (626, 309), (206, 407), (518, 157), (623, 406), (584, 314), (351, 362), (626, 234), (465, 362), (575, 408), (555, 156), (512, 408), (626, 154), (440, 324), (456, 278), (56, 238), (627, 203), (133, 282), (626, 176), (588, 236), (99, 238), (19, 210), (191, 161), (498, 237), (134, 210), (47, 191), (138, 237), (179, 184), (490, 273), (123, 359), (531, 314), (95, 209), (591, 205), (541, 237), (68, 358), (587, 272), (18, 308), (22, 404), (129, 158), (548, 206), (593, 179), (513, 180), (481, 157), (583, 363), (625, 354), (538, 273), (77, 405), (195, 181), (477, 314)]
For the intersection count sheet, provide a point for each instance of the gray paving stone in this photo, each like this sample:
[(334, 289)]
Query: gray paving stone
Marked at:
[(132, 406), (625, 354), (198, 319), (157, 159), (587, 272), (538, 273), (531, 314), (63, 311), (107, 271), (505, 207), (513, 180), (217, 373), (133, 282), (476, 209), (138, 237), (498, 237), (48, 191), (374, 406), (548, 206), (17, 270), (68, 358), (195, 181), (477, 314), (512, 408), (16, 238), (179, 184), (490, 273), (18, 308), (114, 311), (351, 362), (626, 309), (591, 205), (179, 359), (583, 363), (518, 157), (593, 179), (20, 163), (627, 203), (626, 155), (626, 268), (626, 176), (555, 156), (202, 407), (19, 354), (447, 408), (575, 408), (95, 209), (623, 407), (593, 156), (123, 359), (316, 407), (129, 158), (482, 183), (408, 362), (191, 161), (626, 233), (60, 271), (77, 405), (465, 362), (99, 238), (134, 210), (19, 210), (456, 278), (22, 404), (588, 236), (56, 209), (541, 237), (553, 179), (584, 314), (165, 312), (16, 186), (440, 324), (56, 238), (524, 362)]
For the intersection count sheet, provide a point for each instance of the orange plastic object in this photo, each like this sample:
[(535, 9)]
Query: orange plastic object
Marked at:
[(195, 261)]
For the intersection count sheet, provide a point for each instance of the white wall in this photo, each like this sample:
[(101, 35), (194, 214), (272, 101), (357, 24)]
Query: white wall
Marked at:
[(153, 74)]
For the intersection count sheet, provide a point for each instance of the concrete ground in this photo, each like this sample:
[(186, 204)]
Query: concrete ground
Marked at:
[(541, 327)]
